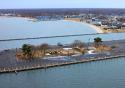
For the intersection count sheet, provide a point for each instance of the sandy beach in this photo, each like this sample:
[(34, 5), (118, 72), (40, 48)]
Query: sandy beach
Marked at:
[(98, 29)]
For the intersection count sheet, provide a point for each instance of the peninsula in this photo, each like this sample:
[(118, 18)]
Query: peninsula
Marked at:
[(46, 56)]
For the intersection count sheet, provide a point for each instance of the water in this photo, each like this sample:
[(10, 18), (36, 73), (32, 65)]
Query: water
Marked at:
[(98, 74), (63, 40), (15, 27)]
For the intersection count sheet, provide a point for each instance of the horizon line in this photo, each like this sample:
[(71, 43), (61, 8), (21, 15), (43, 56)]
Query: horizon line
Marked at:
[(60, 8)]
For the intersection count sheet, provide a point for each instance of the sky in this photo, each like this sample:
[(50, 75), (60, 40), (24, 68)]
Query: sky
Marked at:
[(9, 4)]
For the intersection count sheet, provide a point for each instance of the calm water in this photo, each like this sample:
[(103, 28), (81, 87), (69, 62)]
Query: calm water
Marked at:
[(14, 27), (99, 74)]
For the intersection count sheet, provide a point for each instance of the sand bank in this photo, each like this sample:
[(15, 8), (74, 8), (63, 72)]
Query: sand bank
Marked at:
[(98, 29)]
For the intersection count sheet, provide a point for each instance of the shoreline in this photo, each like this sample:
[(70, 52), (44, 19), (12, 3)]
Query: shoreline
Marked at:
[(39, 66), (98, 30)]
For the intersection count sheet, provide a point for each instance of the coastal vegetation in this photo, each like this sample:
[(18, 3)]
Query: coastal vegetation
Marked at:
[(58, 55), (45, 50), (97, 41), (27, 51)]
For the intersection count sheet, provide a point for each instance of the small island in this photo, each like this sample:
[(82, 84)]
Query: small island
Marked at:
[(31, 57)]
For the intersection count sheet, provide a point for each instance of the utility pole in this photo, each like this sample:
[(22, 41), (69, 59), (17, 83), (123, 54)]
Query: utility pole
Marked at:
[(88, 44)]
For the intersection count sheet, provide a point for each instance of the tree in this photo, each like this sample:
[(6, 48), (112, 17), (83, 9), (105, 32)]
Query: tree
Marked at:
[(97, 41), (78, 43), (34, 49), (43, 47), (59, 44), (27, 51)]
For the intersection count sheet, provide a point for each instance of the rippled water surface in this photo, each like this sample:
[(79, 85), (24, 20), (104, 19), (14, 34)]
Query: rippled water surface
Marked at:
[(98, 74)]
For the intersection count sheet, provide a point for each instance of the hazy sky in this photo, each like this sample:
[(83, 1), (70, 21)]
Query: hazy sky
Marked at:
[(62, 4)]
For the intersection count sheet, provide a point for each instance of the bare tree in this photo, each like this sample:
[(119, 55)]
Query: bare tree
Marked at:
[(78, 43), (43, 47)]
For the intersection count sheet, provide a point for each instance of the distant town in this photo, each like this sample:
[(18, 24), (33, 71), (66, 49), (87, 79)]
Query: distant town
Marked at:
[(108, 20)]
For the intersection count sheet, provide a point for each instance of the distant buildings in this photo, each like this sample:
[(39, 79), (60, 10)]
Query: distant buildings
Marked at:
[(48, 18), (107, 21)]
